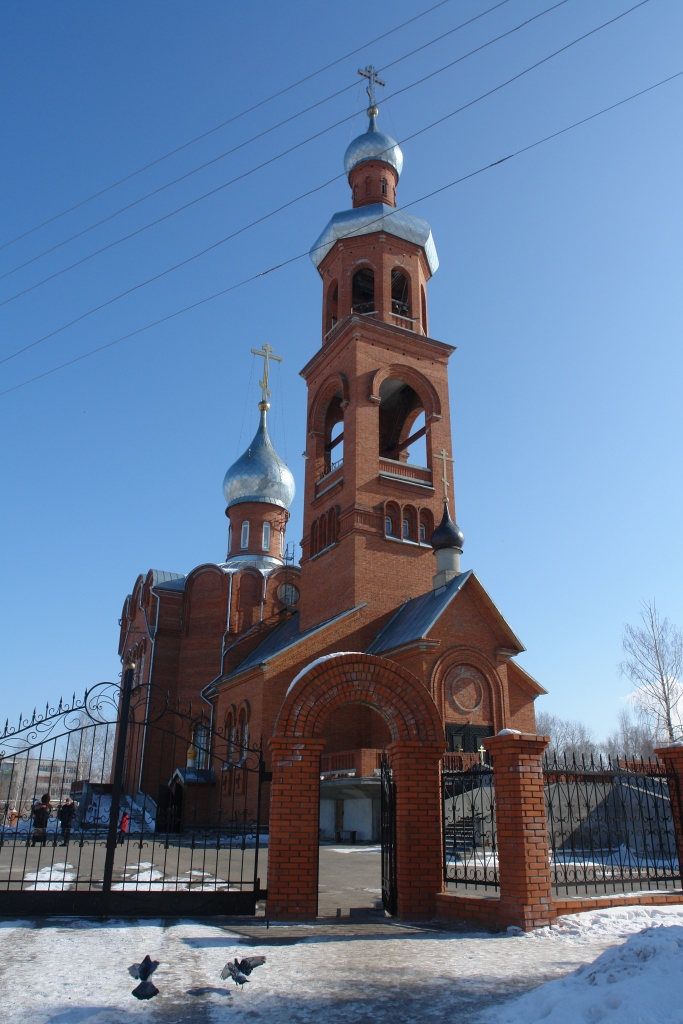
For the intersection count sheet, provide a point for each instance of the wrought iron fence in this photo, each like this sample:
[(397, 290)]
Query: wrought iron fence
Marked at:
[(610, 825), (124, 801), (469, 826), (388, 835)]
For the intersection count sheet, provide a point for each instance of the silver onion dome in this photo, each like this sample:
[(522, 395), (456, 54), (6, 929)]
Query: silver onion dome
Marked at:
[(373, 145), (259, 474)]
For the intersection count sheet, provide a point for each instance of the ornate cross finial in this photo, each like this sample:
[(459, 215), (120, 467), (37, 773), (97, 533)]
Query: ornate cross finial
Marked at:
[(266, 354), (443, 458), (371, 75)]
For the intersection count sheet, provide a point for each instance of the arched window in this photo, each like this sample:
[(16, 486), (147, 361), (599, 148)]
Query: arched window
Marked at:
[(409, 523), (406, 530), (230, 538), (333, 449), (332, 523), (243, 734), (368, 186), (200, 742), (424, 311), (331, 313), (392, 519), (355, 193), (400, 295), (426, 525), (384, 186), (244, 542), (282, 543), (230, 736), (323, 532), (363, 291), (265, 540)]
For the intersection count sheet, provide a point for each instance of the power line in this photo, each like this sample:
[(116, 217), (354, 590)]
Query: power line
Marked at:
[(230, 120), (294, 259), (242, 145), (260, 220)]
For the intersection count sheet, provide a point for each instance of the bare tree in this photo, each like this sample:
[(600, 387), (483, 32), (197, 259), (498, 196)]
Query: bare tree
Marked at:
[(653, 663), (568, 736), (633, 737)]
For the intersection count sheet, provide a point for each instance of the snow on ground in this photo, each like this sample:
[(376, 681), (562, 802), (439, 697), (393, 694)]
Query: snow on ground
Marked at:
[(75, 972)]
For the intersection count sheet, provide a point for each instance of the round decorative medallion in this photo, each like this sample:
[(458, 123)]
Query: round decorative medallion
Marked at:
[(288, 594), (466, 685)]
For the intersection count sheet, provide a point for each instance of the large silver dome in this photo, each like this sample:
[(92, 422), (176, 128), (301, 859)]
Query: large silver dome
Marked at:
[(373, 145), (259, 474)]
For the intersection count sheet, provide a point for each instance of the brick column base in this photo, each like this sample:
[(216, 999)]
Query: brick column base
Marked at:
[(672, 758), (416, 770), (522, 839), (293, 840)]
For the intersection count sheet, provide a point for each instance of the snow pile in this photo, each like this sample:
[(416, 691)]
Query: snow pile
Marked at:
[(639, 982), (54, 876), (606, 924)]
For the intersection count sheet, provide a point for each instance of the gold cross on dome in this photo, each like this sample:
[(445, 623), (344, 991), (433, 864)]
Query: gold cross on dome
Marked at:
[(371, 75), (443, 458), (266, 354)]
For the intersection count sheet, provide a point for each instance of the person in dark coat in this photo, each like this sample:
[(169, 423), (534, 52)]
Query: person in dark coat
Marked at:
[(66, 816), (41, 816)]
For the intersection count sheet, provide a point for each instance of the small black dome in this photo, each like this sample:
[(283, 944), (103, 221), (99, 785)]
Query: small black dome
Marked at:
[(447, 534)]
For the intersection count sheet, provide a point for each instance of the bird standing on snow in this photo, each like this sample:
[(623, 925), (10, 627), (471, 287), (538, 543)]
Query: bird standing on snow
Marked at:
[(146, 989), (239, 970)]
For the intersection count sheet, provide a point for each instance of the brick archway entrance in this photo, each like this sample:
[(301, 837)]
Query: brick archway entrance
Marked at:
[(417, 744)]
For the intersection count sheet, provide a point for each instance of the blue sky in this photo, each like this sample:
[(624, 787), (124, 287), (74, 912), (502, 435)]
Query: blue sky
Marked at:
[(559, 284)]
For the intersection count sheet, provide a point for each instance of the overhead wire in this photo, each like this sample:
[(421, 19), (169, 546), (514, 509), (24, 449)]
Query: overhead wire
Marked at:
[(242, 145), (294, 259), (231, 120), (291, 202)]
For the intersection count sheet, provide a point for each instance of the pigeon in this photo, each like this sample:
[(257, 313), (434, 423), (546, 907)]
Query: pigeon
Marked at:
[(146, 989), (239, 970)]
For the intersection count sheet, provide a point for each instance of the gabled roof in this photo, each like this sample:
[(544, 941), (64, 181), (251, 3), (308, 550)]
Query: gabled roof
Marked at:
[(168, 580), (416, 618), (282, 638)]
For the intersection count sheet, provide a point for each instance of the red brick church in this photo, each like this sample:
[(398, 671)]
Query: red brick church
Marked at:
[(380, 569)]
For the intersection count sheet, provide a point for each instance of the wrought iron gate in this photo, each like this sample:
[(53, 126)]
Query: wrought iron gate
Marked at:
[(388, 833), (124, 803), (469, 822)]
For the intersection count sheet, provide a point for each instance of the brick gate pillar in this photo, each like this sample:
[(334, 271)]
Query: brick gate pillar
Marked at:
[(416, 771), (672, 758), (293, 829), (521, 830)]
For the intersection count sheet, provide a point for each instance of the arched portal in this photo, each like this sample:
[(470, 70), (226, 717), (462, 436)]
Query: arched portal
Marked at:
[(417, 744)]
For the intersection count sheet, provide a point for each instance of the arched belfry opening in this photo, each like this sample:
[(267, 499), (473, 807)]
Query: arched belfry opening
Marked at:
[(400, 294), (401, 421), (334, 433), (363, 291)]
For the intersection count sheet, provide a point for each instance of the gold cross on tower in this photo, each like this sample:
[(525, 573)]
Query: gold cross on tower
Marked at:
[(266, 354), (443, 458)]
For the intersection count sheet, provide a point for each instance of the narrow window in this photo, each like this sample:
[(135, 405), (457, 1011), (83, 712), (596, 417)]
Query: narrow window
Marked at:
[(265, 540), (363, 291), (384, 186), (423, 533), (355, 193), (400, 300), (200, 743), (368, 186), (230, 538), (387, 526), (406, 529), (245, 536), (282, 543)]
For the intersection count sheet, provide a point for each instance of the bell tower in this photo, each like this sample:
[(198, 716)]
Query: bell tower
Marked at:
[(376, 387)]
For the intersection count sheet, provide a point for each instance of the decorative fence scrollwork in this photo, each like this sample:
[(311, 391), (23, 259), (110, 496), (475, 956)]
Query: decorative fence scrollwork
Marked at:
[(125, 802), (469, 825), (610, 825)]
